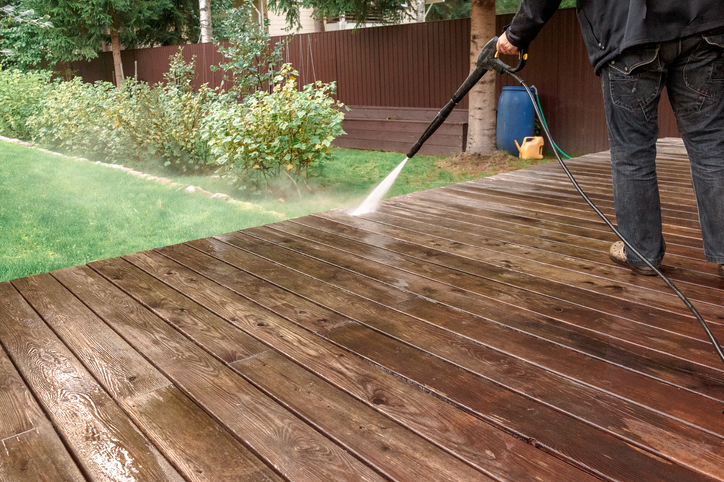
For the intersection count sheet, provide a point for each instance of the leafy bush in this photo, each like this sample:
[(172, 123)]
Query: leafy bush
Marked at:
[(136, 123), (84, 118), (174, 116), (285, 132), (251, 60), (20, 94), (24, 38)]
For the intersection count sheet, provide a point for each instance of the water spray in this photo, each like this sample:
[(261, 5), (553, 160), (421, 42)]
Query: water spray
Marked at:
[(488, 61)]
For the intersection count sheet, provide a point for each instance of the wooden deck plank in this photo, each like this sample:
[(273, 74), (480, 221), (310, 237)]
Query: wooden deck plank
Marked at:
[(290, 446), (594, 188), (310, 267), (198, 447), (406, 330), (101, 437), (522, 212), (415, 286), (499, 245), (31, 449), (394, 450), (580, 277), (464, 435), (687, 221), (683, 263), (473, 332), (469, 237), (673, 344), (530, 205), (625, 463), (631, 330), (684, 206)]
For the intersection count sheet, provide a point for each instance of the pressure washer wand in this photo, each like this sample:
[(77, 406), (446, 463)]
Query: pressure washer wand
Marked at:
[(487, 61)]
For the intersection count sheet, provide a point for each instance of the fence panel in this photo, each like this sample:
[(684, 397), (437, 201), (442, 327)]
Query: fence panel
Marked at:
[(419, 66)]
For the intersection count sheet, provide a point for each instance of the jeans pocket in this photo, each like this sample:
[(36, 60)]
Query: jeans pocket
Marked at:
[(704, 70), (635, 78)]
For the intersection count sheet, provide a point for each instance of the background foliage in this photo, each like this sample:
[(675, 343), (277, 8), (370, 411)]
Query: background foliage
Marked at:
[(20, 95), (250, 58), (25, 38), (285, 133)]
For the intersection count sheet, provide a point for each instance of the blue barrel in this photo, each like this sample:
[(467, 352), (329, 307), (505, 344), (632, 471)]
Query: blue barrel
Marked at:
[(515, 118)]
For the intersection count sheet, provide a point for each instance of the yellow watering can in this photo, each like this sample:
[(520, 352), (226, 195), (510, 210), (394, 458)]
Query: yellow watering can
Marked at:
[(532, 148)]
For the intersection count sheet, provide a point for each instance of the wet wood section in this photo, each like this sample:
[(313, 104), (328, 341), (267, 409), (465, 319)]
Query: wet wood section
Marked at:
[(473, 332)]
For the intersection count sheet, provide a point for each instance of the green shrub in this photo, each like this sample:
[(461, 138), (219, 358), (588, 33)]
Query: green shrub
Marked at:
[(285, 133), (20, 94), (250, 60), (84, 118), (135, 123)]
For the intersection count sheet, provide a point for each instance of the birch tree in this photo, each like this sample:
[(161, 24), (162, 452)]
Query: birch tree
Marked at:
[(205, 21)]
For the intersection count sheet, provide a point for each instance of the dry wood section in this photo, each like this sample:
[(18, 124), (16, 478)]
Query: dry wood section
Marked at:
[(473, 332)]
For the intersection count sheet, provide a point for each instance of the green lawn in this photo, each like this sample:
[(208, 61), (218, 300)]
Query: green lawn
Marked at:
[(57, 212), (347, 179)]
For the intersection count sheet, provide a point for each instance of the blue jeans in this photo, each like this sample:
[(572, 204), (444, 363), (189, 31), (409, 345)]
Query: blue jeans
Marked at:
[(692, 70)]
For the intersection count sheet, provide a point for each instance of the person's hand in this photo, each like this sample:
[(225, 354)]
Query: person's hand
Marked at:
[(505, 47)]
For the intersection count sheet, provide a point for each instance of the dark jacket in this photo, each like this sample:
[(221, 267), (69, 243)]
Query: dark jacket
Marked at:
[(611, 26)]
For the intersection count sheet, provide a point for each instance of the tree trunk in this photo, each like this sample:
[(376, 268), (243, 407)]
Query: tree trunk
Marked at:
[(420, 11), (116, 49), (205, 21), (481, 99), (318, 24)]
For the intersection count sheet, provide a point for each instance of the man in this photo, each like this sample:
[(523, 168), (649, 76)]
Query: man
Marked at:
[(637, 47)]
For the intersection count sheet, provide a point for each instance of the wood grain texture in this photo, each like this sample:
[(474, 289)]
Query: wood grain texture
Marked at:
[(302, 311), (122, 371), (203, 327), (681, 353), (31, 449), (413, 296), (486, 284), (466, 436), (291, 447), (102, 438), (394, 450), (622, 460), (198, 446), (433, 242), (451, 252), (572, 240), (524, 379)]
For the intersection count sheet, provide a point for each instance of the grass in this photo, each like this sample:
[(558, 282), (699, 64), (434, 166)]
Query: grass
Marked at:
[(57, 212), (348, 178)]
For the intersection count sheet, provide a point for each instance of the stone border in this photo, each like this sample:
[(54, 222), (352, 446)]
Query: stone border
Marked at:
[(247, 206)]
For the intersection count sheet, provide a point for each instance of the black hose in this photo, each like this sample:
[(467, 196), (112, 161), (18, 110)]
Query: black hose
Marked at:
[(668, 282)]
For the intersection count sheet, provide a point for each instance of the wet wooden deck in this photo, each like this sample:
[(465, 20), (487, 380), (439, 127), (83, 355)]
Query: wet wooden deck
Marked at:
[(473, 332)]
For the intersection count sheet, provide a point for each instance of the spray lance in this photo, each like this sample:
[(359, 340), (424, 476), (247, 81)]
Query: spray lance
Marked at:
[(488, 61)]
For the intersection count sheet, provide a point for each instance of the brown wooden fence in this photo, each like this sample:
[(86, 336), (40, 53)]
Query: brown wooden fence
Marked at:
[(420, 66)]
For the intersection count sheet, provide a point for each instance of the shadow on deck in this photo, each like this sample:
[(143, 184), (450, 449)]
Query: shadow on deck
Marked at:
[(472, 332)]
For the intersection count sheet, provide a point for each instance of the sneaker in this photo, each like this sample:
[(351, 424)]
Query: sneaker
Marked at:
[(618, 255)]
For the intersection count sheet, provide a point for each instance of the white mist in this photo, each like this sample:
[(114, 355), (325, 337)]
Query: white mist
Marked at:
[(370, 204)]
